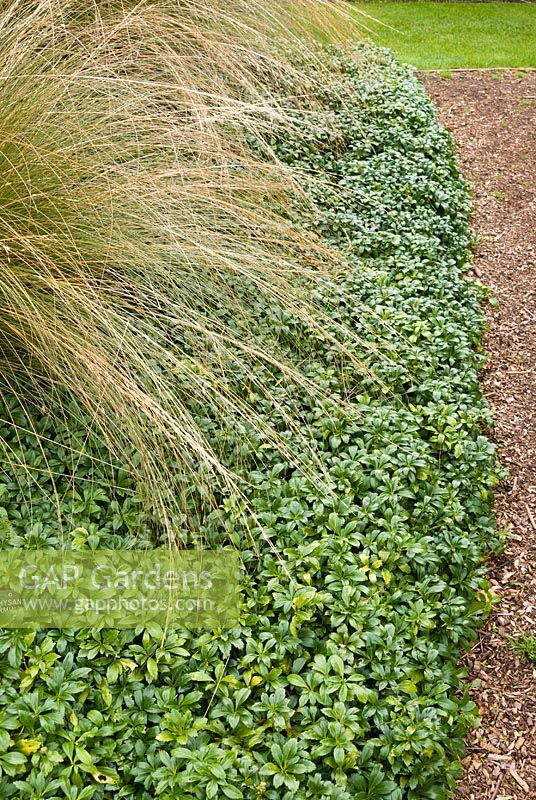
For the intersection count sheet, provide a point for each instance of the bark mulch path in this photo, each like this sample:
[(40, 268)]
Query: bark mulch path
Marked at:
[(493, 117)]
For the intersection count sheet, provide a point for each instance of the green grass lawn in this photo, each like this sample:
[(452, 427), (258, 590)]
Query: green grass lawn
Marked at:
[(442, 35)]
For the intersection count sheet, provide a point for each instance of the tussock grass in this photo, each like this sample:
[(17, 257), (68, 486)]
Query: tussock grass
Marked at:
[(138, 228)]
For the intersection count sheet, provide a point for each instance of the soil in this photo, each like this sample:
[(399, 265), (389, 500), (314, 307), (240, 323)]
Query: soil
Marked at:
[(493, 118)]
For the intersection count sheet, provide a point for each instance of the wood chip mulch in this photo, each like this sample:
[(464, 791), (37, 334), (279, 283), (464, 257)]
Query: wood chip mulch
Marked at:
[(493, 118)]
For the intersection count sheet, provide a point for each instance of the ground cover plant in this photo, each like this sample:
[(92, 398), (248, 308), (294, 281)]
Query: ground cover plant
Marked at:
[(439, 35), (362, 553)]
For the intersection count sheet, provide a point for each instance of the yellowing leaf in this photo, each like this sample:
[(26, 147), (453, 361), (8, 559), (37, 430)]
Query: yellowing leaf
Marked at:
[(29, 746)]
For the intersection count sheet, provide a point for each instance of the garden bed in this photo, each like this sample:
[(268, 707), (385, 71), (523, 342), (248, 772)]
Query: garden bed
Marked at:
[(359, 591)]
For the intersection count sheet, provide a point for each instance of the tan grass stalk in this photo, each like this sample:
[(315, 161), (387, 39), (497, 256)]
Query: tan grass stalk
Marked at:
[(135, 218)]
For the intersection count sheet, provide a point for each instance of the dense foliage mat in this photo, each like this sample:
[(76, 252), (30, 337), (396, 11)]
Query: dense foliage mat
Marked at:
[(359, 589)]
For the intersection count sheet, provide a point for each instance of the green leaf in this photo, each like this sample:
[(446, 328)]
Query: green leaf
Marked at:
[(152, 668), (232, 792)]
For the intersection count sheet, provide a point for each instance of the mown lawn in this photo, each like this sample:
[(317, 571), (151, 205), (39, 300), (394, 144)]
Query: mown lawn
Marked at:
[(448, 35)]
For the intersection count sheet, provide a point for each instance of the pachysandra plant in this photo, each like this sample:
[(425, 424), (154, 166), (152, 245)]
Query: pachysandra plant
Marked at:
[(360, 583), (232, 290)]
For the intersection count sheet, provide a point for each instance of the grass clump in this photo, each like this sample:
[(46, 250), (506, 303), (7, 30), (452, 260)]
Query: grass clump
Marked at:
[(361, 581), (525, 645), (139, 228)]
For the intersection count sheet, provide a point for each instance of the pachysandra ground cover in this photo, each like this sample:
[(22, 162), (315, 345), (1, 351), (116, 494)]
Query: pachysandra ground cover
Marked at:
[(359, 589)]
